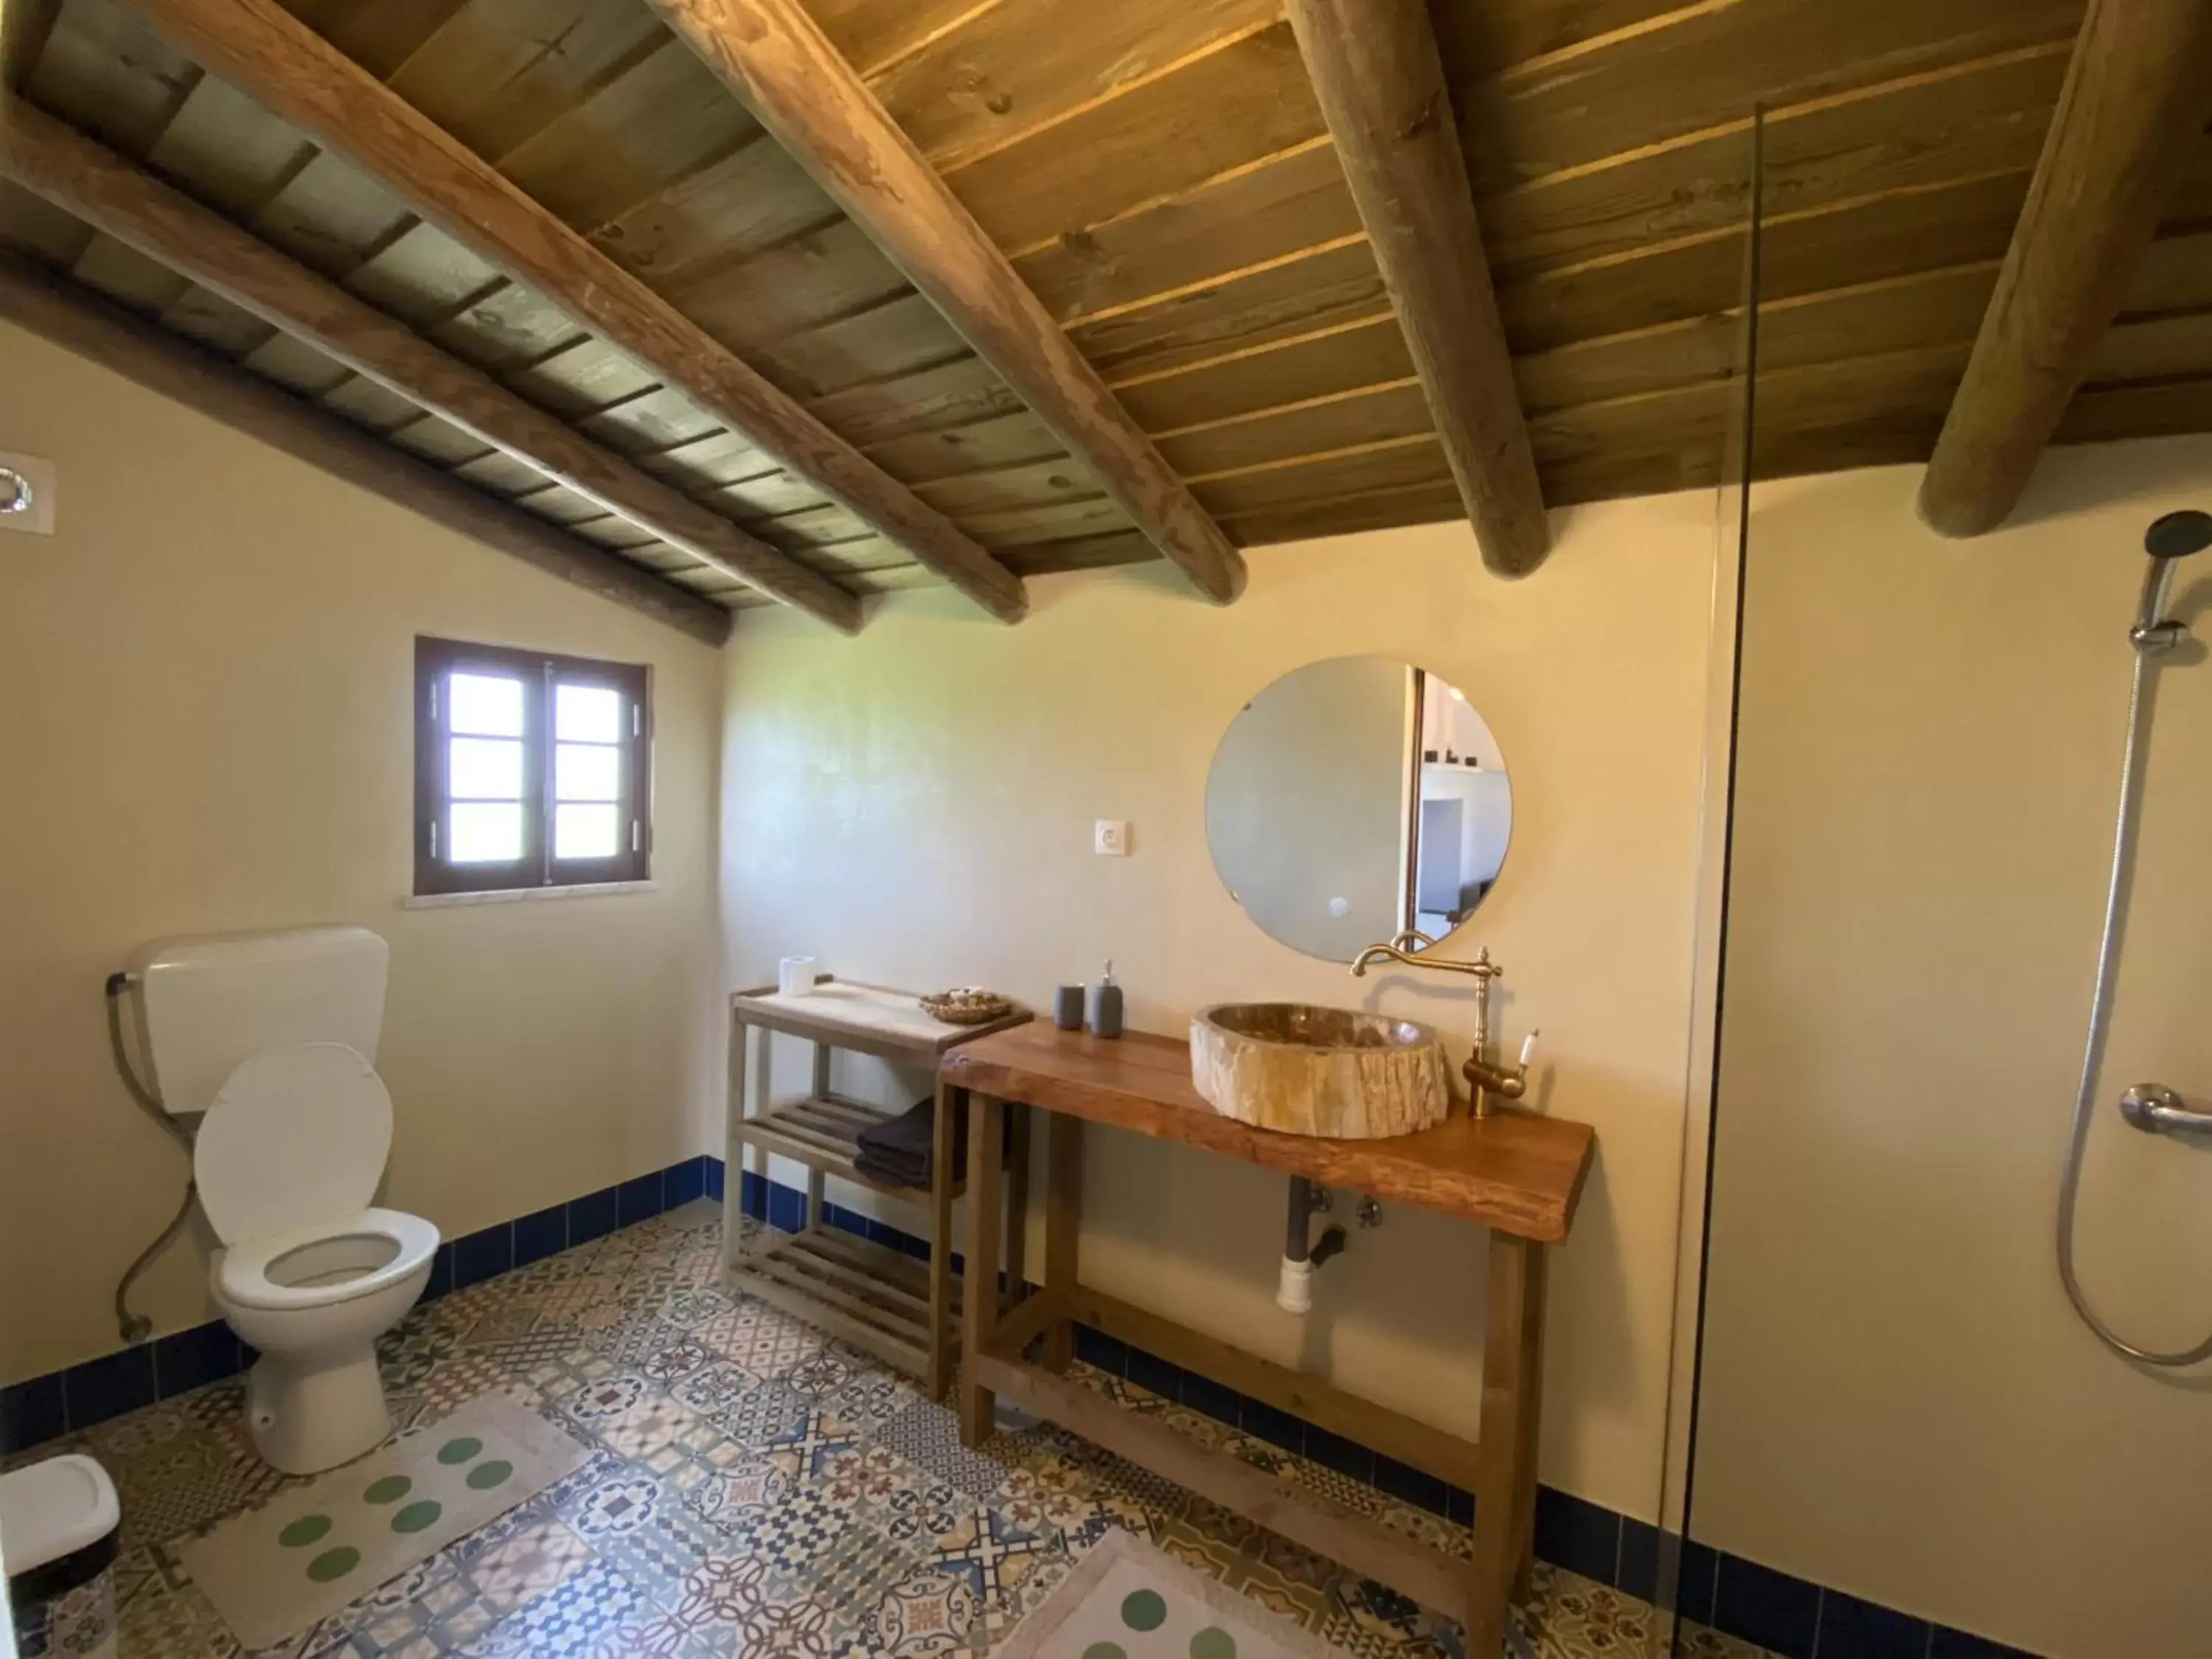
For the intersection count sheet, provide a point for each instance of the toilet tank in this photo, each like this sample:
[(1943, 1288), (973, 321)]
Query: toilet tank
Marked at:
[(207, 1004)]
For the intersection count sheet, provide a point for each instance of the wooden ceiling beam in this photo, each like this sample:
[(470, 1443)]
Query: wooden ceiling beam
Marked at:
[(2137, 94), (774, 57), (83, 177), (74, 319), (1375, 69), (24, 27), (293, 72)]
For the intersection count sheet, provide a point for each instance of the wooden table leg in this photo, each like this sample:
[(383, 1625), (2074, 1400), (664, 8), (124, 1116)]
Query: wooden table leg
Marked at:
[(734, 1143), (979, 1302), (943, 1177), (818, 1213), (1017, 1202), (1063, 1215), (763, 1098), (1512, 1381)]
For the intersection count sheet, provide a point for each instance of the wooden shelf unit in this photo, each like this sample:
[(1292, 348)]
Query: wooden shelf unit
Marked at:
[(882, 1300)]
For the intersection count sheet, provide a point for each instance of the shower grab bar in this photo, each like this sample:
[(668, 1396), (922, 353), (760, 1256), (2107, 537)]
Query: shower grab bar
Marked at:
[(2156, 1109)]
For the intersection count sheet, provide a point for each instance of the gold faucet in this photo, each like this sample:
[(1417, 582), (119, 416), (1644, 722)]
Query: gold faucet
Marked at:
[(1487, 1078), (1395, 951)]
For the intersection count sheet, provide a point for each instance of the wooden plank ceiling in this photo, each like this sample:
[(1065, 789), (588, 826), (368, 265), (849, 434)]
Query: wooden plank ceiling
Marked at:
[(1159, 174)]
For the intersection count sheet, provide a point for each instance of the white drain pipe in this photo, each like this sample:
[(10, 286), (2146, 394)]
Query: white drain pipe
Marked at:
[(1294, 1288)]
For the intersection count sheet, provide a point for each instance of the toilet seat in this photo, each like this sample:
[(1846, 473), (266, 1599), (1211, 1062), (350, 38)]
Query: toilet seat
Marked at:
[(297, 1137), (241, 1274), (288, 1156)]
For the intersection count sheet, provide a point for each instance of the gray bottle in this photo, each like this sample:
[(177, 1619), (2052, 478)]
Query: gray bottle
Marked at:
[(1106, 1005)]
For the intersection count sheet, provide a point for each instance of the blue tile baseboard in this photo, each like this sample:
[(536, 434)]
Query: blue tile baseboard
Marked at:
[(61, 1403), (1741, 1598)]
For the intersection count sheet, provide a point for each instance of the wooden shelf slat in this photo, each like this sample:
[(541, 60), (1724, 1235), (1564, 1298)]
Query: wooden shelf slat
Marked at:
[(853, 1287), (892, 1266), (869, 1295), (823, 1134)]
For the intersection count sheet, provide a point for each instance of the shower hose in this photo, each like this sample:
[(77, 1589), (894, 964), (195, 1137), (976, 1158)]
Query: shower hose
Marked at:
[(2100, 1011)]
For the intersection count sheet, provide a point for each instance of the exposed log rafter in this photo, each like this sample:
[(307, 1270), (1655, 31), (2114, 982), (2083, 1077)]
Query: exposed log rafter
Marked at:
[(295, 74), (24, 27), (2138, 94), (1163, 181), (83, 177), (776, 58), (1380, 80), (72, 317)]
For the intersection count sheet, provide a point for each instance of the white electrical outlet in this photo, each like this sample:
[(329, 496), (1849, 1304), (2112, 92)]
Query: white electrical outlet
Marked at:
[(1110, 838), (26, 495)]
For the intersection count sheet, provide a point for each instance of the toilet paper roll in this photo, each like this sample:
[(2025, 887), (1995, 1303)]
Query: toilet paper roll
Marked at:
[(795, 975)]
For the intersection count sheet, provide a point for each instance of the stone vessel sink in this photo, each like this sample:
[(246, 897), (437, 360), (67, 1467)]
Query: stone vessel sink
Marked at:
[(1309, 1071)]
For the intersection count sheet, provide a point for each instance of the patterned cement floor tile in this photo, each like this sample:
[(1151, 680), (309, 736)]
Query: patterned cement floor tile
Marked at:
[(175, 1485), (928, 1434), (584, 1611), (925, 1612), (757, 1487), (869, 1397)]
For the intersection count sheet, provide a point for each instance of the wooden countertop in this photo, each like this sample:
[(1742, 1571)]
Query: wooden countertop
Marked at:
[(1516, 1171)]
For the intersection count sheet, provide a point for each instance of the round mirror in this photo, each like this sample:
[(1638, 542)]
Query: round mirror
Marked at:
[(1355, 800)]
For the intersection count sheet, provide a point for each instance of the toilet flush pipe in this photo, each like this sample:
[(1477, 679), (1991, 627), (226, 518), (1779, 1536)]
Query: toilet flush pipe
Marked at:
[(136, 1328), (1302, 1254)]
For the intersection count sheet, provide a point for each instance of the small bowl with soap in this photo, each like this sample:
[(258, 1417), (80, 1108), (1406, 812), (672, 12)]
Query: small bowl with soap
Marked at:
[(966, 1004)]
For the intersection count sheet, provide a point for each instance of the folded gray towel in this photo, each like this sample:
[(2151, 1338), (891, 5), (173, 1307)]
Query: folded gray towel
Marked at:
[(900, 1150)]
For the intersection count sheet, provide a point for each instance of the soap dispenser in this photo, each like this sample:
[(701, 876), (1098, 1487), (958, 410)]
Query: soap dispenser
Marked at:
[(1106, 1005)]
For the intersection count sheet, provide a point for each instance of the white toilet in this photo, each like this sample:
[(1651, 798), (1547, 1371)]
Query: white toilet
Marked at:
[(271, 1036)]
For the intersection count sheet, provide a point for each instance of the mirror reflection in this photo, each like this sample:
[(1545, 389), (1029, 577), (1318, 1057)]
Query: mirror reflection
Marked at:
[(1354, 800)]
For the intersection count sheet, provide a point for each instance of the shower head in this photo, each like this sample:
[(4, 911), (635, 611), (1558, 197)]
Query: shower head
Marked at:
[(2171, 537), (2177, 535)]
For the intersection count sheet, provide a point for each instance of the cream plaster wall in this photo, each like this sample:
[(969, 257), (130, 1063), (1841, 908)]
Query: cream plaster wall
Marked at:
[(207, 675), (915, 807), (1899, 1402)]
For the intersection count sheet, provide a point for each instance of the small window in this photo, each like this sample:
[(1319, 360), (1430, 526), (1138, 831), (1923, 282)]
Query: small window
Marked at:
[(530, 770)]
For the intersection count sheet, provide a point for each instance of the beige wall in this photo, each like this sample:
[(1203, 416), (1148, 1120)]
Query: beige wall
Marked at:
[(207, 681), (1899, 1402), (916, 808)]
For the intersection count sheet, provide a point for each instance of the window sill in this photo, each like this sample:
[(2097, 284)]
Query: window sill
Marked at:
[(517, 894)]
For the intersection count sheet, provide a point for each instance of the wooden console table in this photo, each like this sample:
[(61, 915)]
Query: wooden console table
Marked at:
[(1518, 1173), (879, 1299)]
